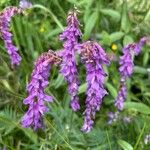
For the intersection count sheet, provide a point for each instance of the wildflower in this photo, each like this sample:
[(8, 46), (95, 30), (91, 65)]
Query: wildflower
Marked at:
[(147, 139), (93, 56), (24, 4), (127, 119), (5, 18), (68, 66), (126, 69), (113, 117), (114, 47), (35, 88)]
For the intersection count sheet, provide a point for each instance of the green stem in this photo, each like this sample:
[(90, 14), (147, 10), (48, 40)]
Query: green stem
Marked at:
[(139, 138), (51, 13), (108, 140)]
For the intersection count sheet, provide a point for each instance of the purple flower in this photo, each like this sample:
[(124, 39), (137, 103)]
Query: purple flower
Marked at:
[(113, 117), (24, 4), (35, 88), (5, 18), (126, 69), (68, 67), (139, 45), (93, 56), (127, 119)]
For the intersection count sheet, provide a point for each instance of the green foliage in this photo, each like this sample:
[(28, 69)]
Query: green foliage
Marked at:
[(109, 22), (125, 145)]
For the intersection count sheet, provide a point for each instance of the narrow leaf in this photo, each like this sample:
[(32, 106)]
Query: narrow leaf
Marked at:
[(90, 25), (125, 24), (125, 145), (82, 88), (116, 36), (115, 15), (127, 40), (140, 107), (111, 90)]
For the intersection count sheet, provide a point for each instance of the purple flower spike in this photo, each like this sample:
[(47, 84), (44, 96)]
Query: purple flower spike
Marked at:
[(126, 69), (35, 88), (5, 18), (93, 56), (139, 45), (68, 67)]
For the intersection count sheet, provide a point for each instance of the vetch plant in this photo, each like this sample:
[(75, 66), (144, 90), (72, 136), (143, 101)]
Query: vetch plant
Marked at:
[(126, 69), (70, 38), (93, 57), (5, 18), (37, 97)]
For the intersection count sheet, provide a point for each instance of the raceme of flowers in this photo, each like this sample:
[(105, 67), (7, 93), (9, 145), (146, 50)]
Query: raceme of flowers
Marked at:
[(126, 69), (93, 57), (5, 18), (68, 66), (37, 97)]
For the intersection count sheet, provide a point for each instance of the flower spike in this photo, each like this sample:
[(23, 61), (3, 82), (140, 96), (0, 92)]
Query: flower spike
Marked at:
[(126, 69), (35, 88), (68, 67), (5, 18), (93, 56)]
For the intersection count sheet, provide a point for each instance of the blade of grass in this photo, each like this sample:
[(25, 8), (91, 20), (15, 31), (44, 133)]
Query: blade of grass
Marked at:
[(51, 13), (108, 140), (59, 134), (139, 138)]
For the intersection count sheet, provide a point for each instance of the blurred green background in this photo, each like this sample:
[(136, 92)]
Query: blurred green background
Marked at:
[(113, 23)]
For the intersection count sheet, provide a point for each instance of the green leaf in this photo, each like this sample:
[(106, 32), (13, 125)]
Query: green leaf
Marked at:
[(82, 88), (147, 16), (7, 85), (147, 94), (111, 90), (112, 13), (140, 70), (116, 36), (139, 137), (53, 33), (125, 23), (127, 40), (140, 107), (90, 25), (59, 81), (145, 58), (125, 145), (30, 134), (106, 38)]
